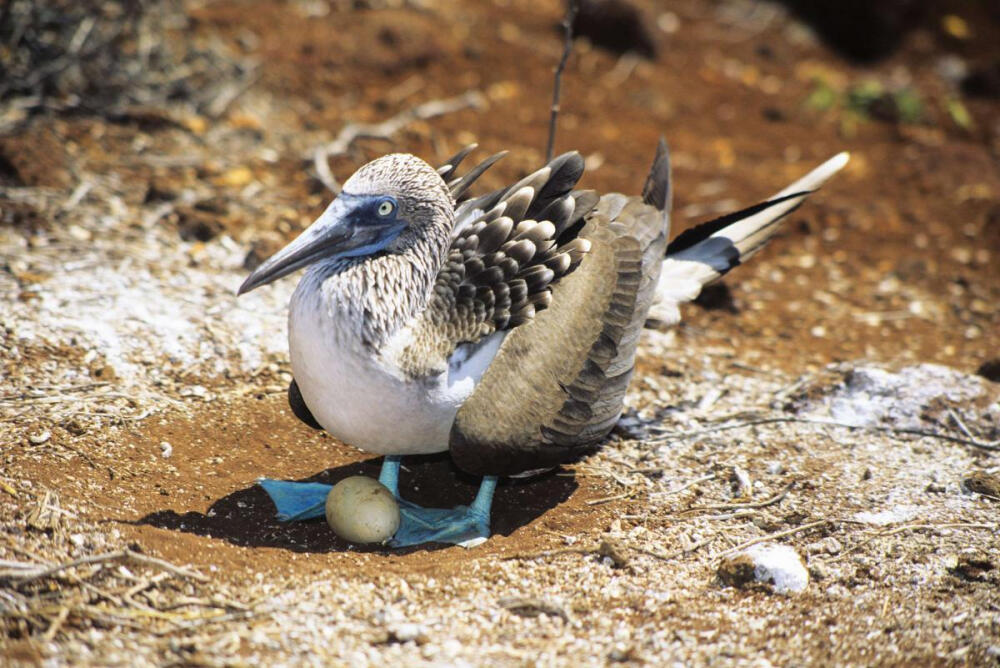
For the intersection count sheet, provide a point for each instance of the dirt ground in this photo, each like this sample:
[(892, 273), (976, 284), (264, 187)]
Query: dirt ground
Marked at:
[(139, 401)]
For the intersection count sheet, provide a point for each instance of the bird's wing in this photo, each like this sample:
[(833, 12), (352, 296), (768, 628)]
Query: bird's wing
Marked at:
[(556, 385), (514, 245), (459, 185), (707, 251)]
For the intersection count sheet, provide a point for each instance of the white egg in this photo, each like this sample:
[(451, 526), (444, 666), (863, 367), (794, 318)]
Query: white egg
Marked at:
[(362, 510)]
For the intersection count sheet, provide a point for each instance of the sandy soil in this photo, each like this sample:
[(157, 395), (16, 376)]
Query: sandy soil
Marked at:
[(139, 401)]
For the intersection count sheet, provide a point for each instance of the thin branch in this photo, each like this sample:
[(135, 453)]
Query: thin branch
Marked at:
[(687, 485), (572, 6), (983, 445), (743, 506), (772, 536), (676, 553), (606, 548), (911, 527), (105, 557), (385, 130)]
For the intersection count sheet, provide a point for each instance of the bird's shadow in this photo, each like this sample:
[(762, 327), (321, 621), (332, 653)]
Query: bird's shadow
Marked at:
[(246, 517)]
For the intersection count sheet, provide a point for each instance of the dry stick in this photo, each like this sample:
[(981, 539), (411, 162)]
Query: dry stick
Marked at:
[(677, 553), (113, 556), (772, 536), (616, 497), (385, 130), (911, 527), (571, 8), (606, 548), (56, 624), (741, 506), (984, 445), (532, 607), (39, 392), (549, 553), (687, 485)]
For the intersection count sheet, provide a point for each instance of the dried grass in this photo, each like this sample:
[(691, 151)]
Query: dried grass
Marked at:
[(113, 58)]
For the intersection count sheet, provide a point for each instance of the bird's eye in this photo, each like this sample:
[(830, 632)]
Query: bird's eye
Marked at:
[(386, 208)]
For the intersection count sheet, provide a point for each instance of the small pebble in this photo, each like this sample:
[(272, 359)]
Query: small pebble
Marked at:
[(778, 566), (407, 632), (981, 482), (40, 438), (828, 545), (166, 449)]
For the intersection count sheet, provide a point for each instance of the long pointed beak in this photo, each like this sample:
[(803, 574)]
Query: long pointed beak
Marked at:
[(338, 232)]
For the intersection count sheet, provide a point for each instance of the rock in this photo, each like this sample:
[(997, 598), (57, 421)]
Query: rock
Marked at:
[(407, 632), (990, 370), (828, 545), (894, 515), (778, 566), (981, 482), (818, 571), (40, 438), (737, 570), (974, 567)]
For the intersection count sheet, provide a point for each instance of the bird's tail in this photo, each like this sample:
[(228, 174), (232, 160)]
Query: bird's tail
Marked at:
[(707, 251)]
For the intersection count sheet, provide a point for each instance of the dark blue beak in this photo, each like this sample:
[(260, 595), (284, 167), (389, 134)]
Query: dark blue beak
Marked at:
[(350, 227)]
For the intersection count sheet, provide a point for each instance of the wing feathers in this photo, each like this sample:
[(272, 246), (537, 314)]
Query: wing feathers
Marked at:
[(507, 252), (447, 170), (705, 252), (458, 187)]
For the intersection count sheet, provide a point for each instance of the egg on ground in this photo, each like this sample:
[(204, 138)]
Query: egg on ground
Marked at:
[(362, 510)]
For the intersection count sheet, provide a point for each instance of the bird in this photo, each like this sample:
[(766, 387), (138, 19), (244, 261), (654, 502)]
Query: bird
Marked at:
[(501, 328)]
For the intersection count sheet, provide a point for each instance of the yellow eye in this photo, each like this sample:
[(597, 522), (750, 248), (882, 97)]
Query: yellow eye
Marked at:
[(385, 208)]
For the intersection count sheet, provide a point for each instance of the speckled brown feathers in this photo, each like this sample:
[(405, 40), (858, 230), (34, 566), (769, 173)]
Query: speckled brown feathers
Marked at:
[(556, 386), (503, 262)]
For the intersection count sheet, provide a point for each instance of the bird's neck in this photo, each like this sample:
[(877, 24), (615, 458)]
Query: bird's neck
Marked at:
[(373, 298)]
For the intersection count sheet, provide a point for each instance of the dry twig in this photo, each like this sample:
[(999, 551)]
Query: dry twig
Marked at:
[(771, 536), (532, 607), (912, 527), (687, 485), (572, 6), (676, 553), (385, 130), (983, 445), (743, 506), (49, 571)]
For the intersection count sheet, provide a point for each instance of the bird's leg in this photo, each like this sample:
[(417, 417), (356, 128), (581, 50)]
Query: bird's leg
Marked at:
[(467, 526), (389, 476)]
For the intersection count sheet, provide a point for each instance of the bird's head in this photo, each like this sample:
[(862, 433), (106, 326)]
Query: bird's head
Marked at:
[(388, 206)]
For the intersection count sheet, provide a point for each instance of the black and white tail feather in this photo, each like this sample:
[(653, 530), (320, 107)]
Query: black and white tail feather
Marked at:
[(707, 251)]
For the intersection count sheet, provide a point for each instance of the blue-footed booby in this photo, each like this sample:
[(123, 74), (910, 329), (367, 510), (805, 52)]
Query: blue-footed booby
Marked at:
[(502, 328)]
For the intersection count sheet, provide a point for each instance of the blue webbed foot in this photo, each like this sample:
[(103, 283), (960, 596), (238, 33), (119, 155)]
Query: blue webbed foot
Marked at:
[(467, 526), (297, 500)]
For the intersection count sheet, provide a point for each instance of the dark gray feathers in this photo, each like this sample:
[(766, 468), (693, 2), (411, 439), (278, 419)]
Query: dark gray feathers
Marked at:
[(504, 261)]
